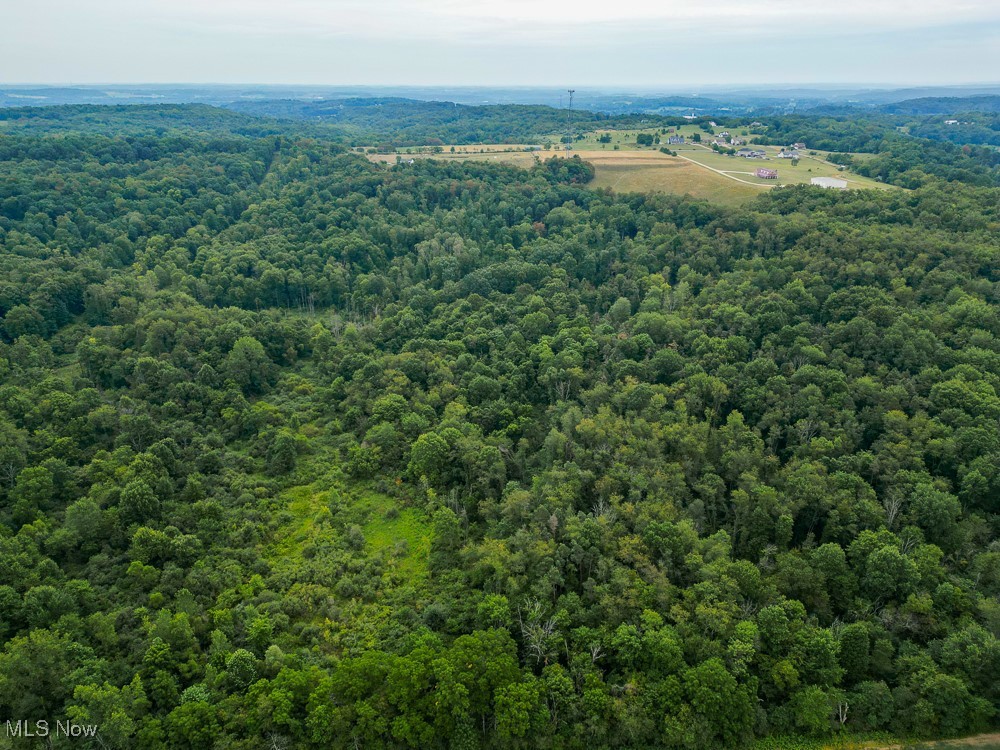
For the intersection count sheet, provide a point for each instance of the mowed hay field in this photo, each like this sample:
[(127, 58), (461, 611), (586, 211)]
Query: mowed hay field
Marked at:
[(621, 171), (808, 167), (654, 172)]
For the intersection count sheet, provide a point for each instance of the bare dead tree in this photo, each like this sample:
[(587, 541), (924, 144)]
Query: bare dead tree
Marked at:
[(536, 631), (842, 707), (892, 503), (596, 652)]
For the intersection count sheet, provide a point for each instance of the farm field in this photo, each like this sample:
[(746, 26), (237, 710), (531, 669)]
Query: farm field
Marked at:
[(653, 172), (632, 171), (699, 173), (743, 169), (623, 166), (812, 163)]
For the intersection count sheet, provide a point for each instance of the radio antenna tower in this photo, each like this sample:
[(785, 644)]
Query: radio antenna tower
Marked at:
[(571, 92)]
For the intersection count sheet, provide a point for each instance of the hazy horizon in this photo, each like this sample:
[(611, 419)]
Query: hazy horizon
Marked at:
[(618, 88)]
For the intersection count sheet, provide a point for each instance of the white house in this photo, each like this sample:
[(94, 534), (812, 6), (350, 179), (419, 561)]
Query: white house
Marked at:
[(829, 182)]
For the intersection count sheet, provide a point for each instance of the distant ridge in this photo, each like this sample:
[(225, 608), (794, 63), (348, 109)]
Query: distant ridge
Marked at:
[(944, 105)]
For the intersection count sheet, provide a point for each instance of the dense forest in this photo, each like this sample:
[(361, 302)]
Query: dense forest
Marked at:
[(301, 451), (944, 105), (384, 122), (971, 127)]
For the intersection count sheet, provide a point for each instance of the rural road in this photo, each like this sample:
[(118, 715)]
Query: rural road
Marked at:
[(726, 174)]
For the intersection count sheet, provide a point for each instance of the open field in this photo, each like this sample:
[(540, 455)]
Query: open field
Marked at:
[(624, 166), (516, 156), (632, 171), (743, 169), (654, 172)]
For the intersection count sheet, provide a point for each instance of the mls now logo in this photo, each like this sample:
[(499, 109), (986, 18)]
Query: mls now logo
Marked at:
[(23, 728)]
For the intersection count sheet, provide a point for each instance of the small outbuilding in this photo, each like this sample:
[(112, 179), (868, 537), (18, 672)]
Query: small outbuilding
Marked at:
[(766, 174), (829, 182)]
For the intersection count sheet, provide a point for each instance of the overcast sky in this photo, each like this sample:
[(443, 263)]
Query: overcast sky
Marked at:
[(655, 43)]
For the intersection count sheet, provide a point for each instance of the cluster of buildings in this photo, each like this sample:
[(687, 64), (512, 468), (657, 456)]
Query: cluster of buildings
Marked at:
[(725, 140)]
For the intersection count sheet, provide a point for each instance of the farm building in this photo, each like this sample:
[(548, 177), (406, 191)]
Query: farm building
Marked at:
[(788, 155), (829, 182), (766, 174), (751, 153), (675, 139)]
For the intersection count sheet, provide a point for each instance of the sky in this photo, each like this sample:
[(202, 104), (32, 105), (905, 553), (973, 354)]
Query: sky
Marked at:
[(637, 43)]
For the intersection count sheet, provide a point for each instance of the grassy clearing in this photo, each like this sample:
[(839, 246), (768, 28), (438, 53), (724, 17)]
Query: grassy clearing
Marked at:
[(402, 534), (313, 514), (305, 510)]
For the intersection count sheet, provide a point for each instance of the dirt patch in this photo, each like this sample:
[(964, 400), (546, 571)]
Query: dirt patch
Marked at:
[(982, 741)]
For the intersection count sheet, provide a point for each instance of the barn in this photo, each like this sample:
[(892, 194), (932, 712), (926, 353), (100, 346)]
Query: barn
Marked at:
[(766, 174)]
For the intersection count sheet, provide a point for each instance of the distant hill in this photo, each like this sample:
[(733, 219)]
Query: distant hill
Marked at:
[(943, 105), (402, 122), (378, 121), (135, 119)]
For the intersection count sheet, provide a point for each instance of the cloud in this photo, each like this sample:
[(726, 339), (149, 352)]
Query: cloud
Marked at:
[(532, 42), (505, 20)]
